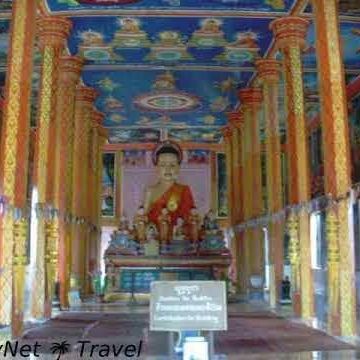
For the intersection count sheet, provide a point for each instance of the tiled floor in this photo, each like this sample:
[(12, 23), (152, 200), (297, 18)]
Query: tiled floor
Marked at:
[(124, 324)]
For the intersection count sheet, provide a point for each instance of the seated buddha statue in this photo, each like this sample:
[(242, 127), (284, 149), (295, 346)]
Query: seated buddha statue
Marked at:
[(167, 192)]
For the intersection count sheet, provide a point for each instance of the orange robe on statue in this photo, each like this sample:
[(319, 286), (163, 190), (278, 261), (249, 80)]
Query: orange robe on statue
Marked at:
[(178, 199)]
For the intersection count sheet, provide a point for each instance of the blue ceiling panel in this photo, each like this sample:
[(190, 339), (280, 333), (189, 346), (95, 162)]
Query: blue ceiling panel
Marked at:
[(163, 99), (346, 7), (188, 40), (350, 36)]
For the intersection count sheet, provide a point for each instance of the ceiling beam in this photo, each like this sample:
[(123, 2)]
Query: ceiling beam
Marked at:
[(190, 67), (151, 146), (171, 13)]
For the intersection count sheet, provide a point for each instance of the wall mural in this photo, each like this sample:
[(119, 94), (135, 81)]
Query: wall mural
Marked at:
[(311, 95), (108, 185), (222, 204), (133, 135), (349, 7), (5, 5), (202, 135), (354, 117), (4, 39), (198, 156), (134, 158)]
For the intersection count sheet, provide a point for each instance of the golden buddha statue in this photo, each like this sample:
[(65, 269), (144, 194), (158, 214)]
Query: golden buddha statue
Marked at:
[(167, 192), (140, 222), (164, 226)]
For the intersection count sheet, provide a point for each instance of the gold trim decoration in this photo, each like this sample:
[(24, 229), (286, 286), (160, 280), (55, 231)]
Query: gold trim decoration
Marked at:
[(290, 36), (51, 262), (337, 163), (269, 74), (251, 99), (20, 232), (333, 258), (85, 98), (227, 133), (52, 32), (69, 75), (14, 151)]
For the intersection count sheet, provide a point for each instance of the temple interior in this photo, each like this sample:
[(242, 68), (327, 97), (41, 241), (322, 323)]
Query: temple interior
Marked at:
[(180, 142)]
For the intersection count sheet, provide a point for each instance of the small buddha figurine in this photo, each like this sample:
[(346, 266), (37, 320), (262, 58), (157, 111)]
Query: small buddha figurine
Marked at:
[(151, 246), (179, 231), (210, 223), (151, 233), (194, 225), (130, 26), (123, 225), (211, 26), (140, 222), (164, 222), (247, 40)]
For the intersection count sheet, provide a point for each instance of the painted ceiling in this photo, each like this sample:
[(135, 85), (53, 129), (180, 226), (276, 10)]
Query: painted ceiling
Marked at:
[(172, 68)]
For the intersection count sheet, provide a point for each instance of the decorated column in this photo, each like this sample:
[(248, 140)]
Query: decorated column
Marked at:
[(83, 114), (14, 160), (53, 32), (70, 69), (227, 133), (102, 137), (247, 202), (337, 167), (93, 193), (236, 121), (268, 74), (251, 99), (88, 200), (290, 34)]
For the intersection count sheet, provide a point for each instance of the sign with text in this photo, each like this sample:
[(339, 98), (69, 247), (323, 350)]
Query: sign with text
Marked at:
[(188, 305)]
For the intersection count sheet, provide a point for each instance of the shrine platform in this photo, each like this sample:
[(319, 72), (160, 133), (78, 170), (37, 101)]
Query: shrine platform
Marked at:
[(132, 275), (179, 261)]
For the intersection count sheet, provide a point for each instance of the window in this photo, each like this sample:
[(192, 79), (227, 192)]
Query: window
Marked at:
[(318, 241)]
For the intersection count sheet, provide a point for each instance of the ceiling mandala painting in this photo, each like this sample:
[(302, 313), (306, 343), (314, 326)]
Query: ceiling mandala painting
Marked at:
[(166, 98)]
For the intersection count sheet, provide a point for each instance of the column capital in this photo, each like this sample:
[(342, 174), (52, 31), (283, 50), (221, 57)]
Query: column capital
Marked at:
[(251, 97), (53, 30), (86, 95), (70, 68), (227, 132), (236, 119), (103, 132), (98, 118), (268, 70), (290, 30)]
